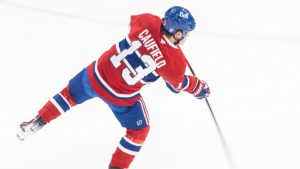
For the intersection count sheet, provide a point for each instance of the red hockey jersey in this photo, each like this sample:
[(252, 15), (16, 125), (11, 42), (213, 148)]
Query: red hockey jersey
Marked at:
[(139, 59)]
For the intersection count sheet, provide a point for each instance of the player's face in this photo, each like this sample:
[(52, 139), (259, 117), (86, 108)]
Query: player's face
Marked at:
[(182, 40), (182, 36)]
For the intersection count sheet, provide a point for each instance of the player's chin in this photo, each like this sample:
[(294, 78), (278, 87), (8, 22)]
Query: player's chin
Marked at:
[(182, 41)]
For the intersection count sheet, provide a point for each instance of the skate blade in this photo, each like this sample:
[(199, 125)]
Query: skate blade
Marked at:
[(22, 135)]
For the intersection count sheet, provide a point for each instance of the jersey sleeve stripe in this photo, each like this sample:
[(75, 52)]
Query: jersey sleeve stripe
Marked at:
[(172, 88), (186, 83)]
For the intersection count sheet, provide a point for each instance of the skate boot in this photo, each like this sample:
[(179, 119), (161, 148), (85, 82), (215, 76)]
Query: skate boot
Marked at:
[(110, 167), (31, 127)]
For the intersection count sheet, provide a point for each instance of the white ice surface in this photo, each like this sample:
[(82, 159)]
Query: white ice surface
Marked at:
[(247, 51)]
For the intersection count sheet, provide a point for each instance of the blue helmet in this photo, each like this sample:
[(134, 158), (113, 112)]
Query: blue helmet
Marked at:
[(178, 18)]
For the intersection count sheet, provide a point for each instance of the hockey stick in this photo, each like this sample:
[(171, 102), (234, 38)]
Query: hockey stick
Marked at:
[(225, 146)]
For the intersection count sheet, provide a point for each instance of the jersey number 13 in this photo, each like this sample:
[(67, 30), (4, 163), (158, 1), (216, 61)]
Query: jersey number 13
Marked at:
[(133, 75)]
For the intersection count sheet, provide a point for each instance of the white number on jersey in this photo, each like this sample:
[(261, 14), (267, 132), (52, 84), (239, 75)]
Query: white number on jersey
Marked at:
[(138, 73)]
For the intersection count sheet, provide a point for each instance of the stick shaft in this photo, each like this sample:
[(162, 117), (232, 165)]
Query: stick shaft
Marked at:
[(224, 144)]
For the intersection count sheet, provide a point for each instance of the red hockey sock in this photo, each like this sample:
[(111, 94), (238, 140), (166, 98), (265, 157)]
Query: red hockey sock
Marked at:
[(129, 146), (49, 112), (67, 95), (121, 159), (60, 103)]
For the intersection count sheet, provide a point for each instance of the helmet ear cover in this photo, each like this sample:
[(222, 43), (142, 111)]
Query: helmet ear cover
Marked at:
[(184, 33)]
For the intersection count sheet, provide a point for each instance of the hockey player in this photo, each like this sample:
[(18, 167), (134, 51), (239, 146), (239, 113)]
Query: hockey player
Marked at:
[(150, 51)]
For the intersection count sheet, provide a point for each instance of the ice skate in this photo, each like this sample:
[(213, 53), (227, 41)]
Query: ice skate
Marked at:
[(31, 127), (110, 167)]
